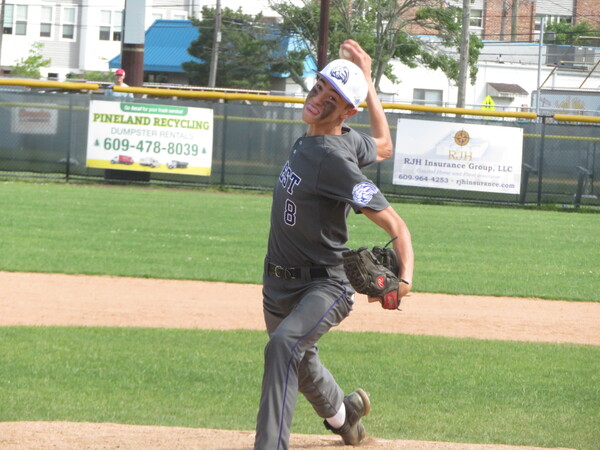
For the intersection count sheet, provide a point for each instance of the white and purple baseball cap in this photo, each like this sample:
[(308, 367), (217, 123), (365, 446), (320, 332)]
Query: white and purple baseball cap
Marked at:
[(348, 79)]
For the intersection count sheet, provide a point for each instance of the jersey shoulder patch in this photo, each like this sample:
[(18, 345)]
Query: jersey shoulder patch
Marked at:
[(363, 192)]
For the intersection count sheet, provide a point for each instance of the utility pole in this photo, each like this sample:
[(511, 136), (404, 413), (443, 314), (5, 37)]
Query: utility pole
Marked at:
[(132, 46), (503, 20), (539, 71), (2, 7), (214, 60), (463, 68), (514, 22), (323, 35)]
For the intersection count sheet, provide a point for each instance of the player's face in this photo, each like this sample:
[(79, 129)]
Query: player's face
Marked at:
[(324, 106)]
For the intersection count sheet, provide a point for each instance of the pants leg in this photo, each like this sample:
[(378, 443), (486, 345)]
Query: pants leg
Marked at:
[(295, 324), (318, 385)]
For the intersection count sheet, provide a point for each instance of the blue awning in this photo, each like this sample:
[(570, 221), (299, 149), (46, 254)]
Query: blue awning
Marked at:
[(167, 41), (165, 46)]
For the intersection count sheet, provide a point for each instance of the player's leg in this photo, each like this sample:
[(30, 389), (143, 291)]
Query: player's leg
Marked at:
[(318, 385), (313, 315), (315, 381), (342, 414)]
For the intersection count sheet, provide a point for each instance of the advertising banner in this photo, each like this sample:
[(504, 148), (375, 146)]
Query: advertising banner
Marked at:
[(34, 121), (150, 138), (446, 155)]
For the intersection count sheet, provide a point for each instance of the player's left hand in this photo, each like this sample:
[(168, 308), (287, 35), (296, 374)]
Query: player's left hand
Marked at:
[(373, 272)]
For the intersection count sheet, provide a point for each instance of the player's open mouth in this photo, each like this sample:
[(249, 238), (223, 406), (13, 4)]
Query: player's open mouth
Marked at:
[(312, 109)]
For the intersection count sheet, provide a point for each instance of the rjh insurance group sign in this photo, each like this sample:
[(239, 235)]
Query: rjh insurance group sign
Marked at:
[(446, 155)]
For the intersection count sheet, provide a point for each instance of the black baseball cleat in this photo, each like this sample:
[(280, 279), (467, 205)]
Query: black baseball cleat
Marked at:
[(357, 406)]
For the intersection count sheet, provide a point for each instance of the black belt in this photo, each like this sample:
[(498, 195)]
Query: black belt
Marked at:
[(293, 273)]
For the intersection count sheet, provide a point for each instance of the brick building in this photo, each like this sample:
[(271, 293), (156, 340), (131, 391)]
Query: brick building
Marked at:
[(520, 20)]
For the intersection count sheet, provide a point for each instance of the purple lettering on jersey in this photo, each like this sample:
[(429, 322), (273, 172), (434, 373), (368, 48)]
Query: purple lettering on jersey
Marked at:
[(288, 178), (290, 213)]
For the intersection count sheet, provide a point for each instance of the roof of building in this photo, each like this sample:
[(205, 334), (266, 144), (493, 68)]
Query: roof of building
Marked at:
[(506, 90), (165, 46)]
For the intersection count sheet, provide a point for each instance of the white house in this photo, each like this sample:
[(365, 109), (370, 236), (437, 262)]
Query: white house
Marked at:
[(77, 35), (83, 35), (510, 85)]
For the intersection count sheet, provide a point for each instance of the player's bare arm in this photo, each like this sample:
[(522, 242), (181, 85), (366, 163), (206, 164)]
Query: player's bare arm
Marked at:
[(380, 129), (396, 228)]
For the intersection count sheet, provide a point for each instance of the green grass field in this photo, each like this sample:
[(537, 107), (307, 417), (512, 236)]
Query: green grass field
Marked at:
[(199, 235), (423, 388)]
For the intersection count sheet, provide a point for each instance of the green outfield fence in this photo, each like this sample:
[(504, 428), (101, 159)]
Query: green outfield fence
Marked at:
[(253, 134)]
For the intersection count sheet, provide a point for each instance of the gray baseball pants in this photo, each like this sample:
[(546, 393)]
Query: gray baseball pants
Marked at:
[(297, 313)]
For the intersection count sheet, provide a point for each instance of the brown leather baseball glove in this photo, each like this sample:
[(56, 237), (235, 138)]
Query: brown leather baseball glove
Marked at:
[(374, 273)]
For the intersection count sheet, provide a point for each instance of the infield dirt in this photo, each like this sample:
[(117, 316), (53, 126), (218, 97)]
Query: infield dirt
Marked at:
[(66, 300)]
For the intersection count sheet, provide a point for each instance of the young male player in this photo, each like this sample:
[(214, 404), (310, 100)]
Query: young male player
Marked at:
[(305, 289)]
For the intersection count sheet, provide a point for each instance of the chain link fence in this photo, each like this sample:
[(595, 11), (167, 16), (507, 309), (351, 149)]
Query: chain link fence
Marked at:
[(44, 134)]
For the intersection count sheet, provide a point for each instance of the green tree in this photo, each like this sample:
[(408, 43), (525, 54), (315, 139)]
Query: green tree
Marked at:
[(382, 28), (30, 66), (92, 75), (568, 34), (249, 51), (446, 23)]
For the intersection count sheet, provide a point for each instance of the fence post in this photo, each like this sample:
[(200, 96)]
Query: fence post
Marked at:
[(223, 152), (70, 139), (541, 163), (592, 164)]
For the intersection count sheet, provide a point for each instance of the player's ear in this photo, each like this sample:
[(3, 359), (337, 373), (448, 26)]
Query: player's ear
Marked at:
[(349, 112)]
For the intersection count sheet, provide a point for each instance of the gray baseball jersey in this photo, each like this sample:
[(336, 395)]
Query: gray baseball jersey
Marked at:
[(318, 186)]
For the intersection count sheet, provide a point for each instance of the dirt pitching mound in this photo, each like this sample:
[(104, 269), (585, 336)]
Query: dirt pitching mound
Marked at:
[(68, 435)]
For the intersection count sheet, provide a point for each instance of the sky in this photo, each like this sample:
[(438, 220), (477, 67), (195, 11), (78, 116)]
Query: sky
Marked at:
[(251, 7)]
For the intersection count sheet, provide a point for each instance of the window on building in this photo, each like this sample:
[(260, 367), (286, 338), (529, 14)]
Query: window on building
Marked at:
[(476, 18), (111, 25), (157, 16), (15, 20), (105, 17), (21, 20), (117, 29), (180, 16), (476, 24), (8, 19), (548, 21), (46, 21), (68, 23), (430, 97), (104, 33)]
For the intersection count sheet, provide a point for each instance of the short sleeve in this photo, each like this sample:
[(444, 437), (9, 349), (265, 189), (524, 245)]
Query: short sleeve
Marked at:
[(366, 149), (340, 178)]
